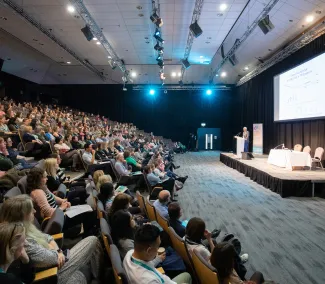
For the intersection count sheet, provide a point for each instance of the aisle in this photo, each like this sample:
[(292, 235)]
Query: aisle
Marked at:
[(283, 237)]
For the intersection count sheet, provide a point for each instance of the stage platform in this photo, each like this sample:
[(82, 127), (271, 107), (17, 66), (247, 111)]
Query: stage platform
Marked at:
[(282, 181)]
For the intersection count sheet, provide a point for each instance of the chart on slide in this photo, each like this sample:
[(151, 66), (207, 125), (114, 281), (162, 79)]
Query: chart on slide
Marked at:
[(302, 91)]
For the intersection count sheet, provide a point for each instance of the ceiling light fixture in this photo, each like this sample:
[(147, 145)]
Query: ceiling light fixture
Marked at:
[(159, 48), (68, 62), (71, 9), (98, 43), (95, 38), (174, 74), (223, 7), (157, 37), (179, 74), (223, 74), (133, 74), (156, 20), (309, 19), (109, 57), (246, 68)]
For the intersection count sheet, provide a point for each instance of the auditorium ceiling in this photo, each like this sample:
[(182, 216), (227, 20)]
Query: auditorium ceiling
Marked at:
[(126, 24)]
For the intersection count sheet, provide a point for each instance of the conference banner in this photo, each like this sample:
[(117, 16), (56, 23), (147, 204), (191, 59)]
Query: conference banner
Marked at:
[(258, 138)]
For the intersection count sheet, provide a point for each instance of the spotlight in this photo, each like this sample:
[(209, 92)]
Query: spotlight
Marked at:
[(309, 19), (98, 43), (208, 92), (152, 92), (156, 20), (159, 57), (124, 88), (246, 68), (87, 33), (203, 124), (162, 76), (174, 74), (95, 38), (160, 63), (159, 48), (185, 63), (157, 37), (223, 74), (157, 32), (68, 62), (70, 9)]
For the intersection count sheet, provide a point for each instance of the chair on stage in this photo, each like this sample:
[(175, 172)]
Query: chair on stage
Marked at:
[(318, 156), (297, 147), (307, 149)]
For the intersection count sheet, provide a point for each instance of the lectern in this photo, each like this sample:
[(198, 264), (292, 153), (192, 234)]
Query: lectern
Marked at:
[(240, 146)]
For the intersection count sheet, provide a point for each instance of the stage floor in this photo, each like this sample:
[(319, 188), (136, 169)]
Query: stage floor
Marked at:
[(260, 163), (280, 180)]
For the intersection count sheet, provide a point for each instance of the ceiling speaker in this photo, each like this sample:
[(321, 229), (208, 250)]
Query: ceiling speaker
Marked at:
[(87, 33), (266, 25), (195, 29), (185, 63)]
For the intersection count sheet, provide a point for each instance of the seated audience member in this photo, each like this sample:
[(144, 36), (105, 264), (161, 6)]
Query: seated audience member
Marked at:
[(121, 166), (100, 154), (67, 154), (96, 176), (46, 202), (155, 181), (118, 146), (170, 174), (106, 195), (161, 204), (3, 124), (75, 143), (13, 238), (48, 135), (131, 161), (223, 259), (174, 213), (60, 172), (40, 150), (89, 158), (137, 155), (56, 132), (43, 251), (103, 179), (124, 201), (139, 263), (12, 124), (111, 149)]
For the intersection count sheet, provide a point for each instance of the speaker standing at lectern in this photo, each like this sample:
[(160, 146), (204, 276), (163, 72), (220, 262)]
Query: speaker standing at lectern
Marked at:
[(246, 137)]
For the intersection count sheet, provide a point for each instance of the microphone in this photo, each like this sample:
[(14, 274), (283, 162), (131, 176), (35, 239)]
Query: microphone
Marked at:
[(279, 146), (238, 134)]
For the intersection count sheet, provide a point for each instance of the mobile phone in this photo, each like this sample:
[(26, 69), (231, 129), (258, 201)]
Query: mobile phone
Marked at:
[(66, 253)]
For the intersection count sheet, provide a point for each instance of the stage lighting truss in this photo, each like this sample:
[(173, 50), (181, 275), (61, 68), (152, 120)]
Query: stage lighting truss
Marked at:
[(190, 38), (21, 12), (243, 38), (97, 32), (158, 36), (184, 87)]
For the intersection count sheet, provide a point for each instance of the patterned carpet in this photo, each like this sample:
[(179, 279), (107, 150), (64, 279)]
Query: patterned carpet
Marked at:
[(285, 238)]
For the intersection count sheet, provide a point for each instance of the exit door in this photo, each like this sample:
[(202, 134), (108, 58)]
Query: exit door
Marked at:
[(209, 138)]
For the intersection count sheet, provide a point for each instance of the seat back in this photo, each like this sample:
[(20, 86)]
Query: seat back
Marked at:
[(101, 212), (119, 272), (149, 187), (22, 184), (162, 221), (150, 210), (106, 235), (117, 175), (12, 192), (319, 153), (53, 150), (95, 198), (297, 147), (80, 152), (54, 225), (41, 164), (141, 201), (20, 134), (307, 149), (206, 273), (180, 246)]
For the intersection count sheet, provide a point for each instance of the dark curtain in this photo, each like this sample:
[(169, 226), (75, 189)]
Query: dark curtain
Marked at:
[(257, 105)]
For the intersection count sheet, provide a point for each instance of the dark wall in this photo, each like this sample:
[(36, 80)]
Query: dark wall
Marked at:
[(173, 115), (257, 105)]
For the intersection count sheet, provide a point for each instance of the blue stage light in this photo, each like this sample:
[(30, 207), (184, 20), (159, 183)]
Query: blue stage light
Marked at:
[(152, 92), (208, 92)]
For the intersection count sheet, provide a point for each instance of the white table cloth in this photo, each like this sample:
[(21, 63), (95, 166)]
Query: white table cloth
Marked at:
[(289, 158)]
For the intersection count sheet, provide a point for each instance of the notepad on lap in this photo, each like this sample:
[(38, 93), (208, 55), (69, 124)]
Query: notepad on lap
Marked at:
[(121, 189), (77, 210)]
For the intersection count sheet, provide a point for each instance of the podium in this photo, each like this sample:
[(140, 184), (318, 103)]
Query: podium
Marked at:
[(240, 146)]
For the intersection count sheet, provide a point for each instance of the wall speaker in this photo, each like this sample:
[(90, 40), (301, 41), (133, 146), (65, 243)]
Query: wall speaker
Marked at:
[(87, 33), (185, 63), (196, 30), (1, 63), (266, 25)]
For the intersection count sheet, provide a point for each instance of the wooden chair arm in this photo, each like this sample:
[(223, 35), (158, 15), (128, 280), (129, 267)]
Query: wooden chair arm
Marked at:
[(161, 270), (158, 187), (46, 274), (57, 236)]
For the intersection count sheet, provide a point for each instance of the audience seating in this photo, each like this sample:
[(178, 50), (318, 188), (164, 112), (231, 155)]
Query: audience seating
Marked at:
[(119, 272), (106, 234), (205, 272), (151, 210), (162, 221), (12, 192), (318, 156), (22, 184), (27, 146), (101, 212), (141, 201), (151, 188)]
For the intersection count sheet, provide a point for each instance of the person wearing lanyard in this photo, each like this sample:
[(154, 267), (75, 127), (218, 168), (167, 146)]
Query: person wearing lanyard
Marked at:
[(12, 240), (139, 264)]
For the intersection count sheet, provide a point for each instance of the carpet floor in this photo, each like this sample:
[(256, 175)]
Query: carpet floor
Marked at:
[(284, 237)]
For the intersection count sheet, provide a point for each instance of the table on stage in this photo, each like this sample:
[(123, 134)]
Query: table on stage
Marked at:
[(289, 159)]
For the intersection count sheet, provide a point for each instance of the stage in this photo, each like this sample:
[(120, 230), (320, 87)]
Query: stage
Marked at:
[(280, 180)]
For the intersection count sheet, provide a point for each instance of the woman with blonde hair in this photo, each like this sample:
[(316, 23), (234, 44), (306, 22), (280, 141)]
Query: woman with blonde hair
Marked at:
[(96, 175), (103, 179), (43, 251), (12, 241)]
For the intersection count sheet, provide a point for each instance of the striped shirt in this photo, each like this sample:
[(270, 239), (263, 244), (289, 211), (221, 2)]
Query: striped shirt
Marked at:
[(51, 200)]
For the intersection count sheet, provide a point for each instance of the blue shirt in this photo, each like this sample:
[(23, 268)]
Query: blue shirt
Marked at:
[(161, 208)]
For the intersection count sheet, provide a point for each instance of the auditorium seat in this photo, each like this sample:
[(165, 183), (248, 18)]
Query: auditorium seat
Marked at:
[(141, 202), (318, 156), (205, 272), (307, 149), (12, 192), (162, 221), (101, 212), (297, 147), (150, 210), (119, 272), (22, 184), (106, 235)]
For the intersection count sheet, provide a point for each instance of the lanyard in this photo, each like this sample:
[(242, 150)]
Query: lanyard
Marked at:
[(148, 268), (2, 271)]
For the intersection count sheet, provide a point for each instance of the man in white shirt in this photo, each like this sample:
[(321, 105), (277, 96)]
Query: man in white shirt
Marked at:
[(139, 265)]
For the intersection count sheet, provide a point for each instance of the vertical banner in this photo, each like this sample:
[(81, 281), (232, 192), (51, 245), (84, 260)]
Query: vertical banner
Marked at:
[(258, 138)]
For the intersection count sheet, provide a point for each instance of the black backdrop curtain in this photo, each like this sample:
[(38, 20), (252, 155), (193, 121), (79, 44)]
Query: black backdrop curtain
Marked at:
[(257, 105)]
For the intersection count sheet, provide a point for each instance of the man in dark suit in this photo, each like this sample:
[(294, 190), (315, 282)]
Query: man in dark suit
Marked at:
[(175, 212)]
